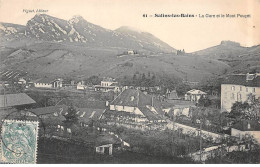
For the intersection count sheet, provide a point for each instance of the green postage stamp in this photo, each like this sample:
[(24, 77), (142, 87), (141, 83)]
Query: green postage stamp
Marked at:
[(19, 141)]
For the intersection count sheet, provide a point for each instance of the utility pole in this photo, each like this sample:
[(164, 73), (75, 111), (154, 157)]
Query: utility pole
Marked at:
[(200, 140)]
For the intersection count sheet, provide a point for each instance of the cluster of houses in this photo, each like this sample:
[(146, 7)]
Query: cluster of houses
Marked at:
[(106, 85), (134, 109)]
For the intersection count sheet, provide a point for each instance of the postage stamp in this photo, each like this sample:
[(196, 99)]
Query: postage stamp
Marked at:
[(19, 141)]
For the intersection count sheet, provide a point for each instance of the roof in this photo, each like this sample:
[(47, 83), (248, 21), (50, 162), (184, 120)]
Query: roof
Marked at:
[(149, 114), (87, 114), (108, 79), (252, 80), (44, 80), (134, 98), (107, 87), (243, 125), (50, 110), (195, 91), (84, 114), (114, 84), (106, 139), (83, 103), (11, 100), (177, 103)]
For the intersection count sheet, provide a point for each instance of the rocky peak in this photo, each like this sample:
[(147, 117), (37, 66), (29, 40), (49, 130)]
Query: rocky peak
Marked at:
[(229, 43), (76, 19)]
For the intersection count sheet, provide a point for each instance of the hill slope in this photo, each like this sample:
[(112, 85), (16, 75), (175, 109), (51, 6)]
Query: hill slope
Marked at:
[(61, 60), (52, 47), (241, 59)]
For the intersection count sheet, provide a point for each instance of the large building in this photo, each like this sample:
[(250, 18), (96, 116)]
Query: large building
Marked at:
[(237, 88), (47, 83), (134, 109), (107, 85)]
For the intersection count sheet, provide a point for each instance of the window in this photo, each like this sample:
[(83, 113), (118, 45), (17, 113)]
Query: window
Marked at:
[(253, 89), (232, 96), (246, 89), (239, 97), (233, 88), (240, 88)]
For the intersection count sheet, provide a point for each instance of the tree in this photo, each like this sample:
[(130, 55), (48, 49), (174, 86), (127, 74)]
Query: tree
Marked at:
[(204, 101), (93, 80), (254, 110), (71, 116), (238, 110)]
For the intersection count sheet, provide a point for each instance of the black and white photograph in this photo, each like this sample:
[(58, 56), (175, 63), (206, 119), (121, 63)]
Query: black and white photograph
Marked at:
[(129, 82)]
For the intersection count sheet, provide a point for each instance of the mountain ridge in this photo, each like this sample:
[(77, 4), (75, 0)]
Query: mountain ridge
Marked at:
[(77, 29)]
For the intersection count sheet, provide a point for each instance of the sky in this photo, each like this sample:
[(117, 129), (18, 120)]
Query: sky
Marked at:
[(191, 34)]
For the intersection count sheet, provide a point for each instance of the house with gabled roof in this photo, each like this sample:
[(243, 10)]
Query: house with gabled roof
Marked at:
[(134, 109), (237, 88)]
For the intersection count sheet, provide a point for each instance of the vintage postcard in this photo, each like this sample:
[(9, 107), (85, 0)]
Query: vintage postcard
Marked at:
[(130, 82)]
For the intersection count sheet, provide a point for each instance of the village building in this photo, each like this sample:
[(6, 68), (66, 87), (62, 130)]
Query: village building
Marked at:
[(194, 95), (246, 128), (173, 108), (68, 83), (48, 112), (133, 109), (54, 116), (49, 117), (81, 86), (89, 116), (43, 83), (130, 52), (22, 81), (107, 85), (89, 112), (19, 100), (108, 144), (237, 88), (57, 83), (47, 83), (171, 95)]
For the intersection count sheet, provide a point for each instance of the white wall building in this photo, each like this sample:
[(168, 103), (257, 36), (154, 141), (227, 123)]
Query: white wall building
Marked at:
[(237, 88), (194, 95), (108, 84)]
